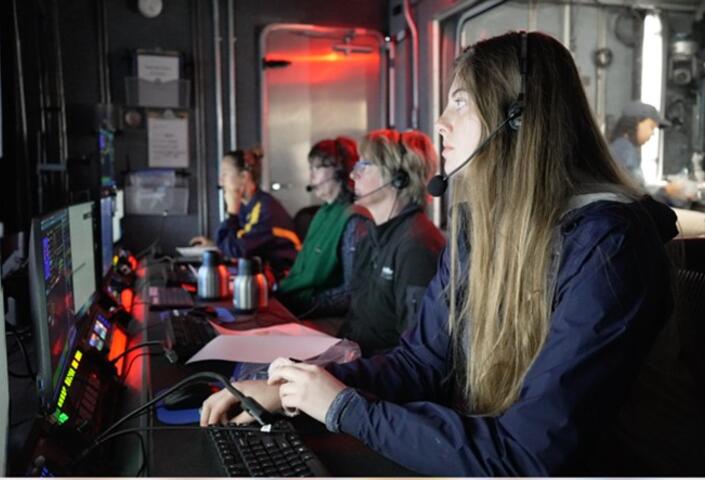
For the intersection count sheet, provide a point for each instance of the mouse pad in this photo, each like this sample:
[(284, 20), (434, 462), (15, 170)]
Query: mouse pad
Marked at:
[(176, 417), (224, 315)]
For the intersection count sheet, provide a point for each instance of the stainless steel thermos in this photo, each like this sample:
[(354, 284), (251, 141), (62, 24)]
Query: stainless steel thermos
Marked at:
[(212, 277), (250, 289)]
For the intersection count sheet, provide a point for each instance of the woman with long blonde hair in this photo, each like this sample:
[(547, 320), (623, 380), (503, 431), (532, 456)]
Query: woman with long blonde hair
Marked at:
[(545, 304)]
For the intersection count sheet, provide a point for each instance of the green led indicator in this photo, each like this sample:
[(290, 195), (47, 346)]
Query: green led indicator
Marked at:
[(62, 418)]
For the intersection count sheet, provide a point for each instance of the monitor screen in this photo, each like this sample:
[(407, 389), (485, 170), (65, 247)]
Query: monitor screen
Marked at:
[(107, 155), (51, 287), (4, 387), (106, 233), (119, 213), (82, 253)]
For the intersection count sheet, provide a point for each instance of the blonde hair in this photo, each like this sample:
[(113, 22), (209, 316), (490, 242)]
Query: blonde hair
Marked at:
[(509, 200), (411, 152)]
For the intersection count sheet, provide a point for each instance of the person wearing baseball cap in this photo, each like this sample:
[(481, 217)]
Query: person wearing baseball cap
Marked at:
[(634, 128)]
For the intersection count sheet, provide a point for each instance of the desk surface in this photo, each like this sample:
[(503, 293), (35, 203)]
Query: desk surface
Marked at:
[(189, 452)]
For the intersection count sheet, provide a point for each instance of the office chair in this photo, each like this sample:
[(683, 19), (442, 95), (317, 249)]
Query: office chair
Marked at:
[(659, 430), (302, 220)]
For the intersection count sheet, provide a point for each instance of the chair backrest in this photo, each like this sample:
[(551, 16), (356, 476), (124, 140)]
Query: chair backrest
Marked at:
[(302, 220), (690, 321), (659, 431)]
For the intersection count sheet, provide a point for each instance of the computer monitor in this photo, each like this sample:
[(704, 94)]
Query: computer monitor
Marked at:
[(107, 155), (52, 299), (106, 234), (4, 388), (82, 254), (119, 213)]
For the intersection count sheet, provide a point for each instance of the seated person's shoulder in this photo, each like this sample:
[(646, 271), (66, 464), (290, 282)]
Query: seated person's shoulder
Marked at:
[(359, 212), (425, 233)]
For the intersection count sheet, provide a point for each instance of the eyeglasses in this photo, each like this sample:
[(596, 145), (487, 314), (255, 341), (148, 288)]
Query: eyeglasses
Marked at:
[(360, 165)]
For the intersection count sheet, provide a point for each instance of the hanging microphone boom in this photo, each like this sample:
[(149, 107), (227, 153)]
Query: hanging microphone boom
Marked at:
[(438, 185)]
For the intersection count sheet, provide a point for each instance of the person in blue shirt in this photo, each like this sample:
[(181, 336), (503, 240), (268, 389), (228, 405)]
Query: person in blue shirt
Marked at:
[(546, 301), (256, 224), (634, 128)]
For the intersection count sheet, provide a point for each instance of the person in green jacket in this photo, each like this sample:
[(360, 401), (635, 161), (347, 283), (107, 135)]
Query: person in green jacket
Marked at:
[(317, 284)]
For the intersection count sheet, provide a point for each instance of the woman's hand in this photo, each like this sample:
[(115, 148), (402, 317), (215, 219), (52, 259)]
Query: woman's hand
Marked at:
[(308, 388), (218, 408), (233, 200), (202, 241)]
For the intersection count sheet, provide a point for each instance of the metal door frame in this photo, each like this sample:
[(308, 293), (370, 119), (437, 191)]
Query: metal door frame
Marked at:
[(323, 31)]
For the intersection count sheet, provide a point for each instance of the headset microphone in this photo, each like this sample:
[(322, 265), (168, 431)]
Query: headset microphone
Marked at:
[(313, 186)]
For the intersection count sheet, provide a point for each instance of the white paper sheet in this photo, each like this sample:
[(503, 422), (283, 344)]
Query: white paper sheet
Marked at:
[(290, 329), (263, 348), (196, 251), (167, 142), (163, 68)]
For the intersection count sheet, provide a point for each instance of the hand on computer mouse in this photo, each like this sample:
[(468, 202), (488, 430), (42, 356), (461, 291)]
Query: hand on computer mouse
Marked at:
[(218, 407)]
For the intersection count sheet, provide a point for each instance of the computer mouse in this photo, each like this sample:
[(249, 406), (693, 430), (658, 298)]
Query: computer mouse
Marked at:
[(190, 396)]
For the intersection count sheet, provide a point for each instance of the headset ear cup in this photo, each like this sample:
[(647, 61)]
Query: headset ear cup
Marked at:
[(400, 180), (514, 114)]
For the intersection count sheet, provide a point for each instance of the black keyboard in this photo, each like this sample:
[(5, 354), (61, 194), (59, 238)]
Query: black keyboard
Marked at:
[(169, 297), (185, 334), (246, 452), (180, 275)]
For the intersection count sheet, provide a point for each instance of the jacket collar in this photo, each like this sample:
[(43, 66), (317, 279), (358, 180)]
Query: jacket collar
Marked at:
[(381, 233)]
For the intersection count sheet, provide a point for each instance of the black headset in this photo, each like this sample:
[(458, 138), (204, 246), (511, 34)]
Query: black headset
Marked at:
[(339, 155), (438, 184), (400, 178), (516, 109)]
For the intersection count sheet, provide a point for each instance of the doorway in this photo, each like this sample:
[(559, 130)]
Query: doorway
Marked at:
[(317, 82)]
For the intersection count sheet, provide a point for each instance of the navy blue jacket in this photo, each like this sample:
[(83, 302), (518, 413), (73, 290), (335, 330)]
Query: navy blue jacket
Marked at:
[(262, 228), (612, 297)]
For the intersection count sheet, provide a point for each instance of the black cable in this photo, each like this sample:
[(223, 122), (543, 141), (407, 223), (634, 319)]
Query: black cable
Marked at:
[(30, 371), (135, 347), (82, 457), (248, 404), (144, 454), (394, 205), (133, 359)]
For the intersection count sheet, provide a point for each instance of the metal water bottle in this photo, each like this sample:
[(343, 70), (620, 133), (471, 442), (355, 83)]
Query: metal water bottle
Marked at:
[(245, 288), (212, 277)]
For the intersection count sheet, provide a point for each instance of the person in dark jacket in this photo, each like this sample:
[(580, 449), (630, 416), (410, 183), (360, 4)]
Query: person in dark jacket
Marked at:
[(397, 259), (545, 304), (257, 224), (319, 282)]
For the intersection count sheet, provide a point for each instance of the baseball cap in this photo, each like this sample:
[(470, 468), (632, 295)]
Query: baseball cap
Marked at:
[(644, 110)]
